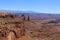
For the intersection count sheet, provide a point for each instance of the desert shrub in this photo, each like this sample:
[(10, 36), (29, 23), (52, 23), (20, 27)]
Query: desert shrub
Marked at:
[(31, 32)]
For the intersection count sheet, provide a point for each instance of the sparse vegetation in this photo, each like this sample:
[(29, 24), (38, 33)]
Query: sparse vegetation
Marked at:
[(11, 23), (28, 29), (52, 22)]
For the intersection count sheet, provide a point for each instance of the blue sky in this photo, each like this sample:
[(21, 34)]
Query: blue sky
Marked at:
[(43, 6)]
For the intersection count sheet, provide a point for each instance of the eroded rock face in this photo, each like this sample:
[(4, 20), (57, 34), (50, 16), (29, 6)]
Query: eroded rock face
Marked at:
[(11, 23)]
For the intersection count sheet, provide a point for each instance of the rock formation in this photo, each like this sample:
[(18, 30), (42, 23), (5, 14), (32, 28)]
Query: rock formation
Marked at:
[(11, 24)]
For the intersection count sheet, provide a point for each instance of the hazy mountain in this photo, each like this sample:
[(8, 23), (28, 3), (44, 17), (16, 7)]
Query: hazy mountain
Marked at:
[(17, 11), (33, 14)]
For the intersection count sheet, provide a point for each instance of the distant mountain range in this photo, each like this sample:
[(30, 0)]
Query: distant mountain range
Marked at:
[(33, 14), (17, 11)]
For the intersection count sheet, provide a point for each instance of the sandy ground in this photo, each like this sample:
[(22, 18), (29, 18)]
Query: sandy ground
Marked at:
[(12, 37)]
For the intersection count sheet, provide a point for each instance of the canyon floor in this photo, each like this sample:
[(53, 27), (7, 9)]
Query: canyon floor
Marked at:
[(13, 27)]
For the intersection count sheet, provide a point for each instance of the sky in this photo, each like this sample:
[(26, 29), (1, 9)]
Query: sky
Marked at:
[(42, 6)]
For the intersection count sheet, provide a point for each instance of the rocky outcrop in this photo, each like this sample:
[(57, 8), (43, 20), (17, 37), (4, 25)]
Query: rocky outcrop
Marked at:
[(11, 23)]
